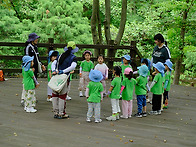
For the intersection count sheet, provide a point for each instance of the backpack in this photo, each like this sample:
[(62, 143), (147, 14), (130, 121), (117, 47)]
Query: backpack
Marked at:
[(1, 76)]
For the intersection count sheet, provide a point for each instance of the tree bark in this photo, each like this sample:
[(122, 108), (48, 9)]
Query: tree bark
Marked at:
[(107, 21), (122, 22)]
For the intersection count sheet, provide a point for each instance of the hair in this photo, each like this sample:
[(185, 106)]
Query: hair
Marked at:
[(145, 61), (54, 54), (100, 56), (117, 70), (130, 75), (159, 37)]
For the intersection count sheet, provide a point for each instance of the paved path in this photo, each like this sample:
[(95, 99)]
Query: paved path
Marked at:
[(176, 127)]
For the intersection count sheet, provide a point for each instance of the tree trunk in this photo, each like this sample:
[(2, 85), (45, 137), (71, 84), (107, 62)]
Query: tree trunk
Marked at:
[(107, 21), (182, 35), (122, 22)]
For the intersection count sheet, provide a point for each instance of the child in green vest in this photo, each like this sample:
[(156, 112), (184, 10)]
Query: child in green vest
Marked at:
[(126, 61), (94, 95), (30, 83), (167, 82), (127, 93), (114, 94), (85, 67), (52, 55), (141, 90), (157, 88)]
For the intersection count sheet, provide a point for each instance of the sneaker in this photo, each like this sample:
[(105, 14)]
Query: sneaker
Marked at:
[(111, 118), (80, 94), (56, 116), (68, 98), (25, 108), (123, 117), (159, 112), (117, 117), (139, 115), (98, 121), (63, 116), (147, 100), (31, 110), (144, 114), (88, 119), (22, 103), (153, 112), (49, 99)]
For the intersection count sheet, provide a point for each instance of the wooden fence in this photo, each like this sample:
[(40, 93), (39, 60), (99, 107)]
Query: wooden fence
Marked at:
[(133, 51)]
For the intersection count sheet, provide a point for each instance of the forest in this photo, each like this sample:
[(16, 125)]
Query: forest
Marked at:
[(98, 21)]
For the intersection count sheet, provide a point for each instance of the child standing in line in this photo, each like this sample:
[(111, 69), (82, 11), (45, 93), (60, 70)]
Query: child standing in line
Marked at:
[(51, 57), (157, 88), (85, 67), (94, 95), (30, 83), (167, 82), (127, 93), (141, 90), (126, 61), (114, 94), (102, 67)]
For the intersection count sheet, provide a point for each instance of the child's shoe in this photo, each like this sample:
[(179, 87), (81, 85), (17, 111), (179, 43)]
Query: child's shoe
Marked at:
[(159, 112), (49, 99), (22, 102), (31, 110), (139, 115), (117, 117), (144, 114), (153, 112), (80, 94), (68, 98), (123, 117), (98, 121), (88, 119), (111, 118), (56, 116), (25, 108)]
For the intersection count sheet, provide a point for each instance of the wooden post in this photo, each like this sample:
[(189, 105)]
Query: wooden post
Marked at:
[(110, 55), (133, 55), (51, 44)]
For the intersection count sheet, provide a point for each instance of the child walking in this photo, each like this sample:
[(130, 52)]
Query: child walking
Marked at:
[(114, 94), (30, 83), (126, 61), (94, 95), (51, 57), (157, 88), (167, 82), (141, 90), (102, 67), (127, 93), (85, 67)]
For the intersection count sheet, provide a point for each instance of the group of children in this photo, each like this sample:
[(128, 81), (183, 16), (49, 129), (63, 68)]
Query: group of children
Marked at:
[(93, 86)]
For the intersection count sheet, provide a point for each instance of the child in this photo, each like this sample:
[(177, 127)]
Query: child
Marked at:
[(157, 88), (167, 82), (141, 90), (127, 93), (85, 68), (102, 67), (30, 83), (114, 94), (51, 57), (94, 95), (126, 60)]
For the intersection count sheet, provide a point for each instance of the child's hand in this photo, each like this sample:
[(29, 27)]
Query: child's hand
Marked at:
[(36, 86), (72, 72), (154, 73), (106, 78), (54, 72), (33, 69), (80, 75)]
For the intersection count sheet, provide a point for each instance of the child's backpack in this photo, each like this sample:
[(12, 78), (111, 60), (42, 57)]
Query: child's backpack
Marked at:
[(1, 76)]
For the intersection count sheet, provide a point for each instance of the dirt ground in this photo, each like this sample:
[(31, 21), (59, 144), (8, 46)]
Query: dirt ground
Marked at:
[(175, 127)]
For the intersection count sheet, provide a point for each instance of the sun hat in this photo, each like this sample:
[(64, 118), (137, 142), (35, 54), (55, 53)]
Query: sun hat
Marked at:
[(87, 51), (95, 76), (127, 57), (27, 62), (143, 70), (160, 67), (71, 44), (169, 64), (32, 37), (127, 70)]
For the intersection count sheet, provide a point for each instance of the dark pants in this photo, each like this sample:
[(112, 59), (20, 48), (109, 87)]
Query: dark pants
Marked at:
[(165, 95), (156, 102)]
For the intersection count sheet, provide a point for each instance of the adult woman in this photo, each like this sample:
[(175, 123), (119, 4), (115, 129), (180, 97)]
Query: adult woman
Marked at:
[(64, 63), (161, 52), (32, 50)]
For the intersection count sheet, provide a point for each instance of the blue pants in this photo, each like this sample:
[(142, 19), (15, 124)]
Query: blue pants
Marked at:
[(141, 102)]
